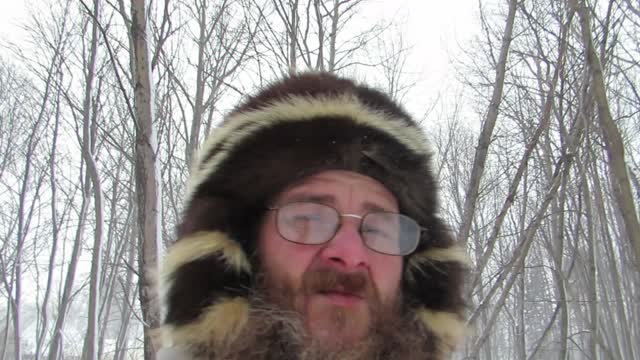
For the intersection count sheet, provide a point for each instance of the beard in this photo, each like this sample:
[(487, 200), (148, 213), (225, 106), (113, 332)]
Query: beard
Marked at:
[(337, 308), (284, 325)]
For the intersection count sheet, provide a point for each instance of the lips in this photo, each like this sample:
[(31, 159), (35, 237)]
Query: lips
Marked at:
[(334, 287), (341, 297)]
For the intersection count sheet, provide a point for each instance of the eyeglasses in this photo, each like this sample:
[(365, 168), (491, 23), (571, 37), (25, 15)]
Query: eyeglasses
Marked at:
[(312, 223)]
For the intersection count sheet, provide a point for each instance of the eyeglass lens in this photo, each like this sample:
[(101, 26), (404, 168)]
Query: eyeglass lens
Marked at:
[(313, 223)]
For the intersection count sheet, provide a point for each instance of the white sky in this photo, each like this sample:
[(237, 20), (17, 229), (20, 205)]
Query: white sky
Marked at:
[(436, 29), (431, 23), (12, 12)]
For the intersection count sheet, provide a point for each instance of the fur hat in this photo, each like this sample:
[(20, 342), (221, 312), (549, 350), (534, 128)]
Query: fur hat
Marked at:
[(300, 126)]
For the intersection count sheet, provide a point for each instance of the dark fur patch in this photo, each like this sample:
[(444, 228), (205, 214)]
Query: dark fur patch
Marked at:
[(322, 85), (264, 164), (196, 285), (437, 287)]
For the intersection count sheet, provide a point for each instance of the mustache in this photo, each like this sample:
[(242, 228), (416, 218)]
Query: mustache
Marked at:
[(326, 279)]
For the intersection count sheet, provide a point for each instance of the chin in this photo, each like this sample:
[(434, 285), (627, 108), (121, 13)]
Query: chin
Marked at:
[(336, 322)]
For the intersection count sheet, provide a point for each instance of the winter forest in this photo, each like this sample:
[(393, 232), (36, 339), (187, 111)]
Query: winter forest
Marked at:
[(536, 138)]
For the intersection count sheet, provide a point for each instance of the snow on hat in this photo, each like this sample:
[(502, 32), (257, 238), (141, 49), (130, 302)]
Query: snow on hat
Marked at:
[(295, 128)]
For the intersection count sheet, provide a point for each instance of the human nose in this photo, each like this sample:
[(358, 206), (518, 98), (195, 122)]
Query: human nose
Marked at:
[(346, 249)]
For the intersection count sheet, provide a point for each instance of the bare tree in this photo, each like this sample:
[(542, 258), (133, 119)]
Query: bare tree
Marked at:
[(394, 53), (56, 224), (221, 38), (565, 273), (537, 200), (35, 114), (313, 32), (614, 145), (89, 119), (487, 128), (147, 176), (21, 183)]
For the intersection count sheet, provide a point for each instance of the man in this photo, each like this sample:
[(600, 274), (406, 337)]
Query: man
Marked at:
[(310, 231)]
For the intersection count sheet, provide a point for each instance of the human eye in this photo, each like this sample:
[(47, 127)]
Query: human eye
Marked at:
[(375, 231), (380, 229), (303, 214), (307, 217)]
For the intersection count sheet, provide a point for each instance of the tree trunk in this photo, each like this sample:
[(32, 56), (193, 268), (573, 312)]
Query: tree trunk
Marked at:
[(147, 178), (508, 276), (318, 14), (5, 331), (520, 333), (89, 119), (121, 244), (622, 340), (558, 271), (592, 277), (335, 18), (54, 233), (25, 211), (293, 38), (198, 107), (614, 145), (123, 333), (482, 149), (532, 143), (65, 299)]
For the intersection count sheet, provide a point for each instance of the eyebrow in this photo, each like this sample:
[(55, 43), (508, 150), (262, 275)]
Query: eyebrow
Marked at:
[(331, 200)]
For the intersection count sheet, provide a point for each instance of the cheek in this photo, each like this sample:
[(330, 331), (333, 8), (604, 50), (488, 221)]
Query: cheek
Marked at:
[(387, 273), (283, 261)]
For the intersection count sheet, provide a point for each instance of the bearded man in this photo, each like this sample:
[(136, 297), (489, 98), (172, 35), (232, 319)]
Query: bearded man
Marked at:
[(310, 231)]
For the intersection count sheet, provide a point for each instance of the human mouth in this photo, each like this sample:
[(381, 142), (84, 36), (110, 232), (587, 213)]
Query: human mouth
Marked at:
[(341, 298)]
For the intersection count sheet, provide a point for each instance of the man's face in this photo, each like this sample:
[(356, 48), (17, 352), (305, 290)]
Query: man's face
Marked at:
[(342, 288)]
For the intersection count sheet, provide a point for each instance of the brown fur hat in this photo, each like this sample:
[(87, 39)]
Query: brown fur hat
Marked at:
[(297, 127)]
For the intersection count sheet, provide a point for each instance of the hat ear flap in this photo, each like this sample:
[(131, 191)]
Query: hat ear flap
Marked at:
[(201, 266)]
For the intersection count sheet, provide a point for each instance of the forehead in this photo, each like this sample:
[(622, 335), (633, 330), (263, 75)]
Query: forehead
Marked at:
[(331, 186)]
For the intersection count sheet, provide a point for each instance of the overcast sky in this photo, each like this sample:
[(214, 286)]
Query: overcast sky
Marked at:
[(435, 29)]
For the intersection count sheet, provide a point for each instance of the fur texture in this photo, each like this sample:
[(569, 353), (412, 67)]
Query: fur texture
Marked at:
[(299, 109), (448, 327), (275, 334), (214, 327), (295, 128)]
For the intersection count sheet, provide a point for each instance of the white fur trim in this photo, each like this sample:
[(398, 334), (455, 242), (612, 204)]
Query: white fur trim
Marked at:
[(219, 323), (436, 255), (197, 246), (205, 243), (447, 326), (297, 108)]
